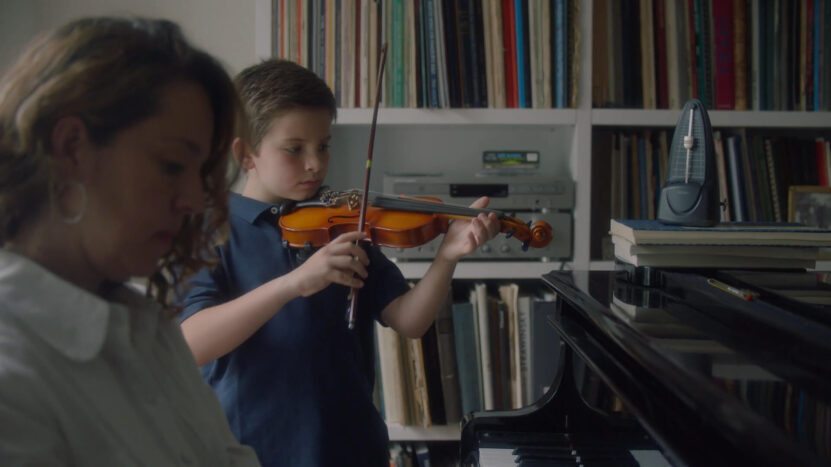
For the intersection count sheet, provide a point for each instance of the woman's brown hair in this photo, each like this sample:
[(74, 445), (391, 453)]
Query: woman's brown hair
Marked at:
[(110, 72)]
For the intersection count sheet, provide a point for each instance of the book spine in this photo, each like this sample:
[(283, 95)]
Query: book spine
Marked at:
[(725, 78), (486, 49), (463, 51), (740, 54), (822, 175), (433, 376), (659, 18), (694, 50), (423, 76), (498, 55), (721, 169), (441, 47), (774, 185), (736, 180), (750, 177), (398, 59), (647, 54), (484, 345), (467, 357), (476, 56), (524, 336), (818, 33), (497, 381), (763, 178), (519, 30), (509, 41), (455, 68), (447, 364), (560, 53), (393, 379), (420, 409), (432, 59)]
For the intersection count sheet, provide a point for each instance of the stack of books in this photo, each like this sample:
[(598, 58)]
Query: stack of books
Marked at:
[(726, 245)]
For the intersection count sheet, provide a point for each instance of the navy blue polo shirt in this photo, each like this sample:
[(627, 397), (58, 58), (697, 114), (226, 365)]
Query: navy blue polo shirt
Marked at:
[(299, 391)]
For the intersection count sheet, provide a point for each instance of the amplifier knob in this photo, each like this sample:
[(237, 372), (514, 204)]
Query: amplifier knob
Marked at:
[(504, 248), (486, 248)]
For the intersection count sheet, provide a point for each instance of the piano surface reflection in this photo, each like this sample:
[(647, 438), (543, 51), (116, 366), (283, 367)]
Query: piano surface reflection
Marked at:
[(675, 371)]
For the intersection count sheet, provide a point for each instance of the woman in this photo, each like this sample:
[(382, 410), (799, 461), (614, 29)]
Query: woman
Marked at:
[(114, 136)]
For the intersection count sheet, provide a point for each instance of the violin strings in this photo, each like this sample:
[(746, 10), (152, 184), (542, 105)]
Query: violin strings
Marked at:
[(404, 204)]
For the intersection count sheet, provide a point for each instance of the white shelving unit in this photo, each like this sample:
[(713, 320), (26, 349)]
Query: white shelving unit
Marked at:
[(415, 139)]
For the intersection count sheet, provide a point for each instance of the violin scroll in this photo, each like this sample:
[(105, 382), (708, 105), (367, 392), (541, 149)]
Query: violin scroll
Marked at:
[(536, 235), (541, 234)]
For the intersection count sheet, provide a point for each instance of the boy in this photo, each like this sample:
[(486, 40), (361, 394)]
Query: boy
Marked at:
[(270, 328)]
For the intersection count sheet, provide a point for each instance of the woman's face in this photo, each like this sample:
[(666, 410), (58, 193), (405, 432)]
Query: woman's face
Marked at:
[(144, 183)]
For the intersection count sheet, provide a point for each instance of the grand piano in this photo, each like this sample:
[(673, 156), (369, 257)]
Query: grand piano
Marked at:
[(675, 367)]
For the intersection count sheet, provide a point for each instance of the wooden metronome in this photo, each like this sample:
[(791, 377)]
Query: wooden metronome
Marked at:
[(690, 195)]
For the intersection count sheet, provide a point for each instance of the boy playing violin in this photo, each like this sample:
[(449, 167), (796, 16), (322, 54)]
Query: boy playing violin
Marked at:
[(269, 327)]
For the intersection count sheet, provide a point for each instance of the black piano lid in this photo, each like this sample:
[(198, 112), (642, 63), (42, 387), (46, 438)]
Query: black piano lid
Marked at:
[(754, 383)]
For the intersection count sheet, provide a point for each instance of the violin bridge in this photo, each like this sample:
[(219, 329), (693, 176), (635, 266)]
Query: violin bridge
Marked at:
[(351, 198)]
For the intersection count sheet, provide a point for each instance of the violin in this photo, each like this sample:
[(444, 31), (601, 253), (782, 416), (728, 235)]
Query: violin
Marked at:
[(398, 222)]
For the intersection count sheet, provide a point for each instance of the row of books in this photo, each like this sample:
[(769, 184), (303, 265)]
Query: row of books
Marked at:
[(440, 53), (731, 54), (755, 172), (497, 351)]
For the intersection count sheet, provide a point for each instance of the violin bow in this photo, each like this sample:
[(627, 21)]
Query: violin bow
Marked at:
[(362, 217)]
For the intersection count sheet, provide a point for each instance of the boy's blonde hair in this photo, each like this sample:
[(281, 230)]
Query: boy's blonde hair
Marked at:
[(275, 86), (110, 72)]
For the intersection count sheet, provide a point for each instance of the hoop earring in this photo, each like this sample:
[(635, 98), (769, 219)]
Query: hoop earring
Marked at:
[(81, 189)]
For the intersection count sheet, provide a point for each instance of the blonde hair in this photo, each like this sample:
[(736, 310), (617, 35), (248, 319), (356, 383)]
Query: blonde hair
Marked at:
[(110, 73)]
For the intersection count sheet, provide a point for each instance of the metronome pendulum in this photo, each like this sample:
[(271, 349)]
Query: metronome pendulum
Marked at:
[(690, 194)]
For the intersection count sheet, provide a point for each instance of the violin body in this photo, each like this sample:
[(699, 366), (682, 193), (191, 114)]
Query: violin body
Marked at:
[(319, 225), (316, 226)]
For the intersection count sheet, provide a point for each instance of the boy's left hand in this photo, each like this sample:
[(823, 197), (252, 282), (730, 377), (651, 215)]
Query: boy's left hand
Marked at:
[(463, 236)]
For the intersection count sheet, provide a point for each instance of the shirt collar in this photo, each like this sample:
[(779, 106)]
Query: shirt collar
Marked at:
[(70, 319), (250, 209)]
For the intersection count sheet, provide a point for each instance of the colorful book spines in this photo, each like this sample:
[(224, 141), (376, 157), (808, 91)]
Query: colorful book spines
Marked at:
[(438, 54)]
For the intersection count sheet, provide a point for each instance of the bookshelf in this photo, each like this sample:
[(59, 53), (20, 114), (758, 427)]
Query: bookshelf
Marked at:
[(420, 139)]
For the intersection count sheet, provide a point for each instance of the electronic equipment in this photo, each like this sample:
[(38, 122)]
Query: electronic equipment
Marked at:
[(690, 195), (529, 198)]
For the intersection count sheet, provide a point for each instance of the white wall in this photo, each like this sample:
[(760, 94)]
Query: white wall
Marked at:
[(224, 28)]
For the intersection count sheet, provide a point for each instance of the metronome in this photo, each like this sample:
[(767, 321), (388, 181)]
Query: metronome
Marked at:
[(690, 195)]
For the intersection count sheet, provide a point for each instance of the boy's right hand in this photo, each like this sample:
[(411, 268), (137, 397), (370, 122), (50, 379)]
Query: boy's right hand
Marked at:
[(337, 262)]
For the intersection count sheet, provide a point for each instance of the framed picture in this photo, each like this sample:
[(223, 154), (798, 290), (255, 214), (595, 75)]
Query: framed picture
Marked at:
[(810, 205)]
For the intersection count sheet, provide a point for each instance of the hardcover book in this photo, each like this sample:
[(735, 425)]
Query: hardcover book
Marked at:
[(727, 233)]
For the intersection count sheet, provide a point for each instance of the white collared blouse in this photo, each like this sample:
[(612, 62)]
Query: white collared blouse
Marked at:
[(88, 381)]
